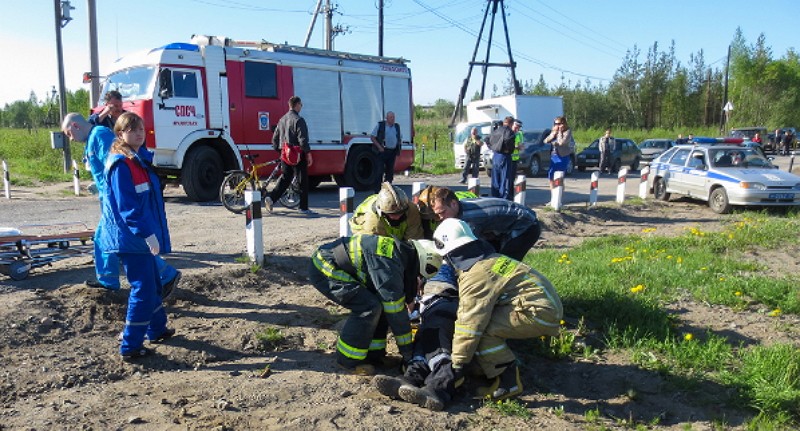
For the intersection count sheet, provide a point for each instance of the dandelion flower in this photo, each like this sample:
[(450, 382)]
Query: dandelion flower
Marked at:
[(775, 313), (722, 279), (638, 288), (738, 293), (679, 260), (688, 337), (562, 322)]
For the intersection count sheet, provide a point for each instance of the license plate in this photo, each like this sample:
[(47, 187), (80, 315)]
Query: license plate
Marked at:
[(781, 196)]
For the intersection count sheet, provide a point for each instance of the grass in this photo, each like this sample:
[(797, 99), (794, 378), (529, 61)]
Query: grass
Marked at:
[(269, 338), (618, 285), (31, 160)]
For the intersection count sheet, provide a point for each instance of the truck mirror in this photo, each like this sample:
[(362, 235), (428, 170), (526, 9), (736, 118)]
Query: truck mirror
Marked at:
[(165, 83)]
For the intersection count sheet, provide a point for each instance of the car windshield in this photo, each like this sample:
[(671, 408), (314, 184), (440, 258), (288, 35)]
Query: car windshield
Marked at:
[(134, 83), (738, 158), (654, 144)]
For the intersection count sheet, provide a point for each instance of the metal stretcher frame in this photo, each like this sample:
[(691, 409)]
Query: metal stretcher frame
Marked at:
[(34, 246)]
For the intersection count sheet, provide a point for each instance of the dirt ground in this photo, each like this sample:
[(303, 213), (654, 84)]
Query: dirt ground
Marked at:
[(60, 369)]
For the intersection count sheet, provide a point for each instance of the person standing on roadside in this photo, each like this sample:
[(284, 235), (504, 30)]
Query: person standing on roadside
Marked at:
[(501, 142), (98, 141), (110, 112), (387, 140), (606, 145), (135, 229), (292, 130), (563, 147), (472, 155)]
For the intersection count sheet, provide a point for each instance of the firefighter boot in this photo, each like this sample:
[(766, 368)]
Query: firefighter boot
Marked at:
[(356, 368), (423, 397), (510, 384), (389, 385)]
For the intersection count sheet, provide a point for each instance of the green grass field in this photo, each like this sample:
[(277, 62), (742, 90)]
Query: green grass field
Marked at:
[(31, 160)]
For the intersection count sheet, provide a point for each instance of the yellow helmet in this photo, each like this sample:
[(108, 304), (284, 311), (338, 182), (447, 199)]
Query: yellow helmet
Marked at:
[(425, 202), (391, 200)]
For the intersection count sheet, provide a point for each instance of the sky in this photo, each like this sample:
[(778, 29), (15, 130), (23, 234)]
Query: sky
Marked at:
[(571, 40)]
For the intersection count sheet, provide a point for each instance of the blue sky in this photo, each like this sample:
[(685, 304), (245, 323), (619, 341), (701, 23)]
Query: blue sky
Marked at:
[(576, 39)]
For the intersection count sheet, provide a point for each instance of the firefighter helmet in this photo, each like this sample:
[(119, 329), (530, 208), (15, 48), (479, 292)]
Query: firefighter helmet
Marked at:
[(425, 203), (451, 234), (391, 200), (429, 258)]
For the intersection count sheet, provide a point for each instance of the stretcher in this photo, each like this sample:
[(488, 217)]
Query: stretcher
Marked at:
[(33, 246)]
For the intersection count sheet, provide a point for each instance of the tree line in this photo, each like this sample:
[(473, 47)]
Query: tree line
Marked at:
[(651, 89)]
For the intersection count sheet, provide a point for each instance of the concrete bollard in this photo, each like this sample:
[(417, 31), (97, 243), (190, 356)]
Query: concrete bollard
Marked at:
[(6, 180), (643, 187), (519, 189), (76, 178), (253, 227), (474, 186), (346, 207), (791, 162), (621, 177), (557, 193), (593, 188)]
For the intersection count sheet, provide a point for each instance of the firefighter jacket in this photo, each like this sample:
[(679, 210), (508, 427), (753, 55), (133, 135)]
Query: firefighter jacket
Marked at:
[(486, 280), (366, 220), (496, 219), (133, 207), (380, 264)]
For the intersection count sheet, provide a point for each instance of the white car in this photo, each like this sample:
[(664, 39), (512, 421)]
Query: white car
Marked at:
[(724, 176)]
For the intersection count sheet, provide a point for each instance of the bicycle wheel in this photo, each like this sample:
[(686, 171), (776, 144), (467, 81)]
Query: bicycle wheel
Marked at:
[(231, 192), (291, 197)]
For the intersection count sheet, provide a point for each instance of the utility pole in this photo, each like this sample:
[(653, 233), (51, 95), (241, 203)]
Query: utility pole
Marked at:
[(380, 28), (62, 8), (313, 21), (724, 118), (94, 93), (328, 26)]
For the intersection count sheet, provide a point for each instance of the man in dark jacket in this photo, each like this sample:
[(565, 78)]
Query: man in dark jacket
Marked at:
[(387, 140), (292, 130), (501, 142)]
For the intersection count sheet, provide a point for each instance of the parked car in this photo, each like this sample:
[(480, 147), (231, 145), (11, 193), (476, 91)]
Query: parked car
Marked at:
[(461, 136), (767, 143), (724, 176), (651, 148), (626, 154), (534, 159)]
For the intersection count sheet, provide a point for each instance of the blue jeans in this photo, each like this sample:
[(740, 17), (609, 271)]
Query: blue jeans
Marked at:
[(502, 176)]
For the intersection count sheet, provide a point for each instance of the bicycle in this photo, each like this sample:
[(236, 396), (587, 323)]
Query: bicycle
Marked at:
[(236, 183)]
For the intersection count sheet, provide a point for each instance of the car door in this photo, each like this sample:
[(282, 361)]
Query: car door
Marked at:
[(676, 179), (696, 174)]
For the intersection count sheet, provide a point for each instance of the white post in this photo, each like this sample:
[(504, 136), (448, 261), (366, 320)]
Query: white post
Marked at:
[(416, 188), (346, 195), (519, 189), (557, 193), (76, 178), (593, 188), (6, 180), (621, 177), (253, 228), (474, 186), (643, 188)]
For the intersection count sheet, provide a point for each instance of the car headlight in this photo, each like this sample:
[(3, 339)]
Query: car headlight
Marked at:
[(752, 186)]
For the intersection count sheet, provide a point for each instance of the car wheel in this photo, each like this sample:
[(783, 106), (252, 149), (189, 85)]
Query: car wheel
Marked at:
[(362, 171), (535, 167), (718, 201), (635, 164), (660, 189), (202, 174), (582, 168), (616, 166)]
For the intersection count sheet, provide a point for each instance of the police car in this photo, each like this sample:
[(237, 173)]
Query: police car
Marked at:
[(722, 174)]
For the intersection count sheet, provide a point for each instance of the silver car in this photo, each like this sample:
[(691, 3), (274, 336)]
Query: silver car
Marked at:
[(724, 176)]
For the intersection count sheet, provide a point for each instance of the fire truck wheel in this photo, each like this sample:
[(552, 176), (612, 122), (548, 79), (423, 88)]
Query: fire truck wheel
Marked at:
[(362, 168), (202, 174)]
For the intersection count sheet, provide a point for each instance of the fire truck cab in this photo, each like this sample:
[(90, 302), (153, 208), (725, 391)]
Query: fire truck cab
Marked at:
[(208, 102)]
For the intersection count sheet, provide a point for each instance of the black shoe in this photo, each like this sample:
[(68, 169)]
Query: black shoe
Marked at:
[(389, 386), (166, 335), (169, 287), (95, 284), (422, 397), (133, 355)]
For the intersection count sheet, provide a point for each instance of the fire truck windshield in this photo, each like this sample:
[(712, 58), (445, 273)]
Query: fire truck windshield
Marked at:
[(133, 83)]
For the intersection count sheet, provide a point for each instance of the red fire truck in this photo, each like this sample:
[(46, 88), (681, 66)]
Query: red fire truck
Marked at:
[(208, 102)]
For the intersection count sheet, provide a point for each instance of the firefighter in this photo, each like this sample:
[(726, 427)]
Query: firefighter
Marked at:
[(375, 277), (428, 379), (500, 298), (388, 213), (425, 203), (510, 227)]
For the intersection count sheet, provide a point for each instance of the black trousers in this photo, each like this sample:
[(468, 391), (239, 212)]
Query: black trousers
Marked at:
[(518, 247), (288, 173), (431, 365)]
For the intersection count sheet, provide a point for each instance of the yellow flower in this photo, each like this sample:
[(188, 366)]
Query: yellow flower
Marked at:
[(564, 256), (648, 229), (679, 260), (562, 322), (738, 293), (775, 313), (669, 256), (730, 236), (722, 279), (638, 288), (704, 268), (688, 337)]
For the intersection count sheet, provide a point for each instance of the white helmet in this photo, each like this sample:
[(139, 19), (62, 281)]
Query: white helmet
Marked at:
[(391, 200), (451, 234), (429, 258)]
